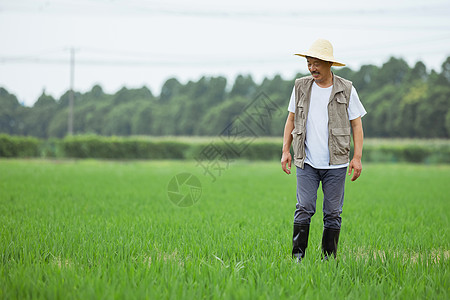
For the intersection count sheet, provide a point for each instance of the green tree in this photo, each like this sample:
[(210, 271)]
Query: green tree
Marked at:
[(364, 79), (143, 120), (221, 116), (169, 89), (244, 86), (419, 72), (57, 127), (118, 121), (446, 69), (38, 121), (392, 72), (10, 107)]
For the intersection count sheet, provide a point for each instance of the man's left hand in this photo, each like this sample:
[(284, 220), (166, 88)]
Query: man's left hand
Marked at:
[(355, 165)]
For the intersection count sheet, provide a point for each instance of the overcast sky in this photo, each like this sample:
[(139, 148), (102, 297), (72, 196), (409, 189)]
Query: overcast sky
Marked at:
[(135, 42)]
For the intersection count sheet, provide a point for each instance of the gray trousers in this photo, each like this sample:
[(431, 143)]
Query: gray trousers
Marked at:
[(333, 184)]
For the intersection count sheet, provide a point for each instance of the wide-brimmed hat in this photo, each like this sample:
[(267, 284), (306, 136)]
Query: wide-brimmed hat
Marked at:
[(322, 49)]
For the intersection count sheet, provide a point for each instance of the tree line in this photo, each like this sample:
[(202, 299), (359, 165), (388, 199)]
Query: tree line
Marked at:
[(401, 101)]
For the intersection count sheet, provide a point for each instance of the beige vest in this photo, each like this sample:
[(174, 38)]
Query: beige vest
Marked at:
[(338, 123)]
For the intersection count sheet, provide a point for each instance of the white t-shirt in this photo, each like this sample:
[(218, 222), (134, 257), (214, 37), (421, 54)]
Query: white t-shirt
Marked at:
[(316, 142)]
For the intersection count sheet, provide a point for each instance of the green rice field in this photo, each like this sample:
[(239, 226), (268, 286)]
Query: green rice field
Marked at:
[(91, 229)]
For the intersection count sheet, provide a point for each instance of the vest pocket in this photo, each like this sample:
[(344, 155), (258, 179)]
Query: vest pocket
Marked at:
[(298, 143), (340, 140), (340, 98)]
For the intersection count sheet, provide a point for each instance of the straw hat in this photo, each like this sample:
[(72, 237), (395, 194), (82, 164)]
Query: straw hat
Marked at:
[(321, 49)]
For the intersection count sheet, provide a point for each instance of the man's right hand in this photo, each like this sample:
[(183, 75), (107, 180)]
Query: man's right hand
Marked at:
[(286, 160)]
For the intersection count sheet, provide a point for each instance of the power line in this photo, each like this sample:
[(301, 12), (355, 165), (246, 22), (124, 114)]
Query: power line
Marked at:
[(161, 60)]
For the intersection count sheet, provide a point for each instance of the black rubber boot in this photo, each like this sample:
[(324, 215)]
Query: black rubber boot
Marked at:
[(300, 241), (330, 241)]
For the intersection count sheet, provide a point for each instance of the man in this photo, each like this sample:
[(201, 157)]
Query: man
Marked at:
[(323, 110)]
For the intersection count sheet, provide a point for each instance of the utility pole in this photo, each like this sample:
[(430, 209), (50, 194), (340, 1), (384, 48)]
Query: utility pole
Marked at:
[(71, 95)]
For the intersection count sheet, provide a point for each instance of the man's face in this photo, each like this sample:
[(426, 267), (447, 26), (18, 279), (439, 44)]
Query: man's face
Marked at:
[(318, 68)]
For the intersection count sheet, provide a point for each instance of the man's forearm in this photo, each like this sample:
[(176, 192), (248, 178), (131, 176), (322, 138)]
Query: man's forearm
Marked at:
[(286, 158), (358, 137), (287, 138)]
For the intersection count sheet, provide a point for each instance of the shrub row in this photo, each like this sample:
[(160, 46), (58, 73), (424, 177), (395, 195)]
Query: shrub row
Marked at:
[(91, 146), (416, 153), (19, 146), (121, 148)]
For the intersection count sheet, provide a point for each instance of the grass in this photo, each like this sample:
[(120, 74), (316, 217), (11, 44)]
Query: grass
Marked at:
[(90, 229)]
